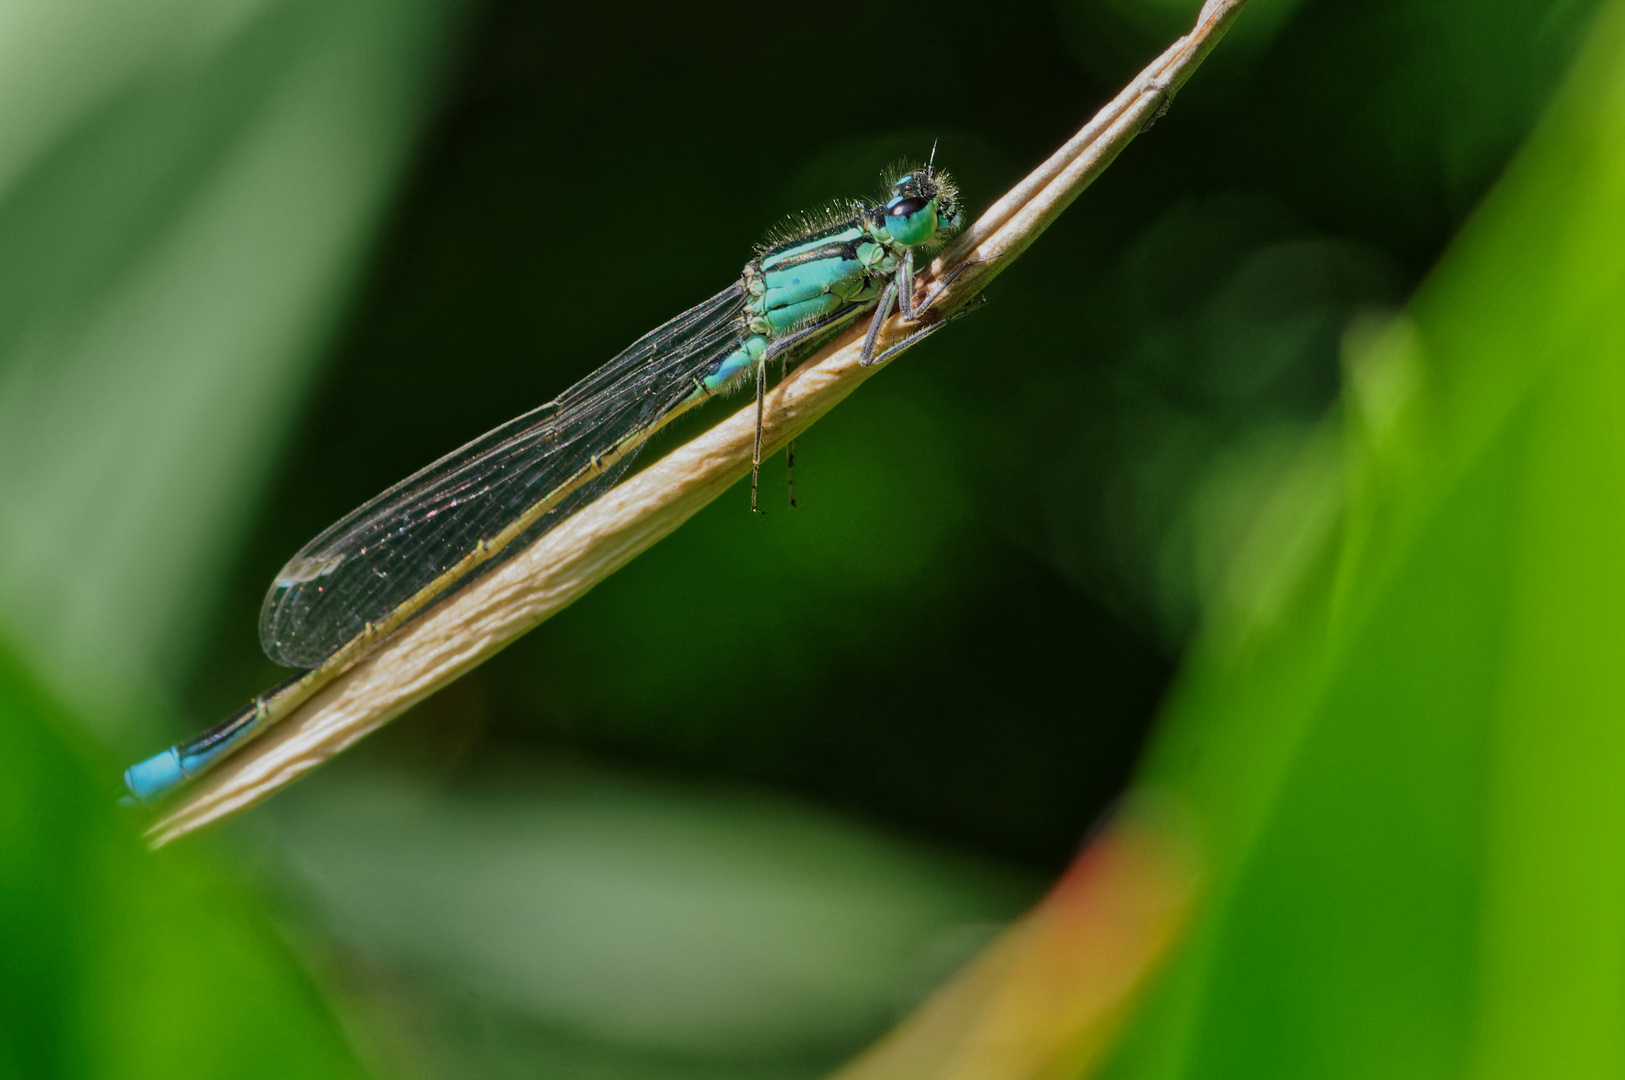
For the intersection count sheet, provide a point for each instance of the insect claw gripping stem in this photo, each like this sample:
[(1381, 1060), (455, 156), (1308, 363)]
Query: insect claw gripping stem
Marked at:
[(913, 314), (949, 279), (920, 335)]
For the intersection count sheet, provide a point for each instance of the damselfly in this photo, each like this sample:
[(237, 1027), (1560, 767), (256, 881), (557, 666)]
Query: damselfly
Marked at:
[(437, 531)]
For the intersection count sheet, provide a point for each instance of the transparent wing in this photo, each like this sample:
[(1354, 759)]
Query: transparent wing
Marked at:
[(400, 553)]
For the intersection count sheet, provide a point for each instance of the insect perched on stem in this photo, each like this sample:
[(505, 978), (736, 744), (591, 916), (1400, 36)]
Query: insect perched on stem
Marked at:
[(440, 529)]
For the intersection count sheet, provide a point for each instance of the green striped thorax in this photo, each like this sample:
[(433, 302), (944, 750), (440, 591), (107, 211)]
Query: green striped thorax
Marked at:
[(847, 261)]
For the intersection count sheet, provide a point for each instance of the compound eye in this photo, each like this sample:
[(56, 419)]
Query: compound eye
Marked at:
[(911, 220), (906, 206)]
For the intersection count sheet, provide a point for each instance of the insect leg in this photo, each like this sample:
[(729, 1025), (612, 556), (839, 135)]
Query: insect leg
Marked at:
[(882, 310)]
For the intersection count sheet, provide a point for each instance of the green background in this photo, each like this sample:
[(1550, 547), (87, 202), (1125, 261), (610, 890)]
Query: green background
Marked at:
[(733, 813)]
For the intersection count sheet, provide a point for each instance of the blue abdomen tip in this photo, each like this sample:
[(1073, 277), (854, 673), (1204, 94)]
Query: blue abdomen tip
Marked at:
[(155, 777)]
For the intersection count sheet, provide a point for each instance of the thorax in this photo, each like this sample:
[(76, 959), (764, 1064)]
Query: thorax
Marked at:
[(809, 277)]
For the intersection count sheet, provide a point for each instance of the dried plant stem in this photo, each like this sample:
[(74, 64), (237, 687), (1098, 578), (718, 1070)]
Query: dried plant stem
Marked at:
[(586, 548)]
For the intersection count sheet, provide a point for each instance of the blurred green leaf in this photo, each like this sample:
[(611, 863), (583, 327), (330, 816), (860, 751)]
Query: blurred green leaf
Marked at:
[(664, 919), (118, 963), (186, 189), (1405, 732)]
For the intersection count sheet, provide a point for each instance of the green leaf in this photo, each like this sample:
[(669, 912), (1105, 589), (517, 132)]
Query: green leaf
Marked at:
[(186, 190), (647, 919), (115, 962), (1404, 735)]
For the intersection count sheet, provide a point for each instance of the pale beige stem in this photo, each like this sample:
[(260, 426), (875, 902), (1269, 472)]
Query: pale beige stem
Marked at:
[(586, 548)]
